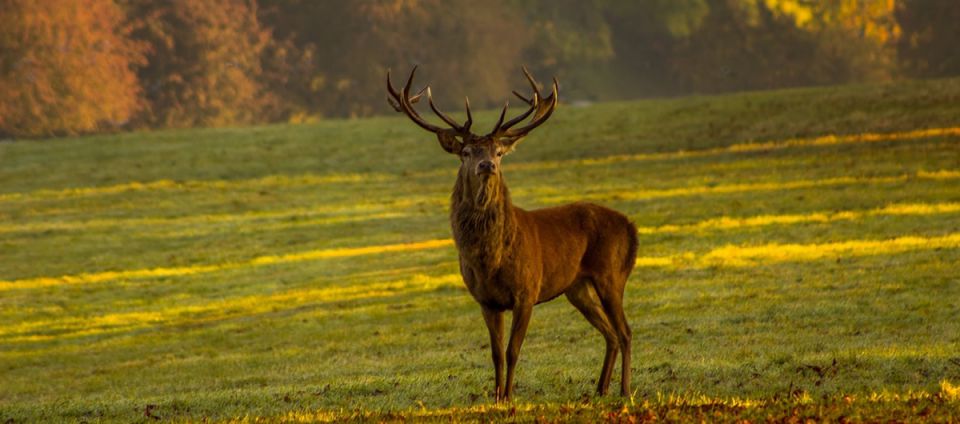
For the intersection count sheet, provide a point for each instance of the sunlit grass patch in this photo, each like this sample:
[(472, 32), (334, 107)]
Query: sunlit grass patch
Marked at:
[(738, 256), (745, 187), (199, 224), (63, 328), (202, 269), (730, 223), (746, 256), (267, 182)]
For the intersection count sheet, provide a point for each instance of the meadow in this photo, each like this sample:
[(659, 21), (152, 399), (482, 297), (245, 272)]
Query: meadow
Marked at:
[(799, 259)]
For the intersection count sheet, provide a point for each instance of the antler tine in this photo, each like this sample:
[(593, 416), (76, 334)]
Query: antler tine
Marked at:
[(533, 82), (535, 100), (406, 89), (520, 96), (402, 102), (544, 106), (414, 99), (393, 94), (469, 121), (533, 85), (536, 105), (544, 111), (442, 115), (394, 105), (503, 114)]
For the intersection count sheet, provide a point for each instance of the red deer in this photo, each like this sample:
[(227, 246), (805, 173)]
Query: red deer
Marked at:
[(512, 259)]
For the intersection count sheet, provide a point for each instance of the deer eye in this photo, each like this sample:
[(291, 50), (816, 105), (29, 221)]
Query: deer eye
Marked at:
[(499, 153)]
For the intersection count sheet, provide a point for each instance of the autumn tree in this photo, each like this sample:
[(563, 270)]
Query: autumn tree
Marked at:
[(858, 35), (203, 64), (66, 67)]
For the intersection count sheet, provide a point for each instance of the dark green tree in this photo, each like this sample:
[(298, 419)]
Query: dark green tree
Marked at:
[(337, 53), (929, 45)]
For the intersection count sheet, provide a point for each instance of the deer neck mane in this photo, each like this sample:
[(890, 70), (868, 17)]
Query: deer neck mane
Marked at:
[(483, 221)]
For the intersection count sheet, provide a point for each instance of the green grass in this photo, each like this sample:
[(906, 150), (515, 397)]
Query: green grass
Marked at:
[(208, 274)]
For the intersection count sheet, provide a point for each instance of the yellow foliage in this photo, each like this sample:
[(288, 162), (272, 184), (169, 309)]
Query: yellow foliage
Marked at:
[(801, 11)]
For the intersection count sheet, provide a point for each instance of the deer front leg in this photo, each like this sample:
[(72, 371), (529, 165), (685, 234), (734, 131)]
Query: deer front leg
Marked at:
[(494, 320), (521, 317)]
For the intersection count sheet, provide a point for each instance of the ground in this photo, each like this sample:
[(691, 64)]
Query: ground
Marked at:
[(799, 256)]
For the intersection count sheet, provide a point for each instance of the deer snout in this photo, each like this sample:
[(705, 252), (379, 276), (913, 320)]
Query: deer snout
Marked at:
[(486, 167)]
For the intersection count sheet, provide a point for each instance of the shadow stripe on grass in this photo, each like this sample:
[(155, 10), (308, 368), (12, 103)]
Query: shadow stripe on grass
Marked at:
[(310, 180)]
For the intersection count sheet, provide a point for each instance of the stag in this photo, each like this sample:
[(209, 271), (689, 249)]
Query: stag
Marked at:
[(511, 258)]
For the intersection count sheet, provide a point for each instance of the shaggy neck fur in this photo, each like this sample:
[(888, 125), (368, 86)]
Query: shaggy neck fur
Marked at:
[(482, 218)]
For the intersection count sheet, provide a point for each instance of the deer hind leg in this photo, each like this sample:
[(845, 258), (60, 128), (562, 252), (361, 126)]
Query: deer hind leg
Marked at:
[(612, 298), (584, 297)]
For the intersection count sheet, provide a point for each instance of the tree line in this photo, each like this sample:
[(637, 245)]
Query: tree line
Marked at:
[(84, 66)]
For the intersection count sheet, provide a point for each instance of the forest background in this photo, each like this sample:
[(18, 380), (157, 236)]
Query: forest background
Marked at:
[(87, 66)]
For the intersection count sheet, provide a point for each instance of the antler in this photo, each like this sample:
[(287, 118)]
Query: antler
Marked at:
[(403, 102), (543, 107), (540, 107)]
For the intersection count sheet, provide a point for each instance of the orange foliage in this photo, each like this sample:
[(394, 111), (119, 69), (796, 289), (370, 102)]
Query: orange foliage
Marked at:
[(66, 67)]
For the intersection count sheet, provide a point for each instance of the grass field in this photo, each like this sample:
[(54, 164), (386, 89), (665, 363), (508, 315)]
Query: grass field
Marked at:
[(799, 259)]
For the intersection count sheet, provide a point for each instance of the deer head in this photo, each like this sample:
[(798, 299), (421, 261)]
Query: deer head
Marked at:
[(479, 154)]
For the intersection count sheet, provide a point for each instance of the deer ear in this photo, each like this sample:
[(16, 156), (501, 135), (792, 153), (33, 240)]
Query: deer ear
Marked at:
[(448, 140)]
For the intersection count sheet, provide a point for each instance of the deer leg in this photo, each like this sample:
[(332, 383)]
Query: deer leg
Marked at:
[(584, 297), (494, 320), (521, 318), (614, 308)]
